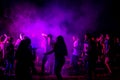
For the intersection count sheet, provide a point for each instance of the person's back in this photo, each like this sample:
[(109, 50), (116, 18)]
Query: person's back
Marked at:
[(10, 50), (24, 60), (60, 53), (60, 50)]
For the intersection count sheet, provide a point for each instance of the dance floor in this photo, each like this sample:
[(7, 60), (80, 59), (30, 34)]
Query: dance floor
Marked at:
[(100, 75)]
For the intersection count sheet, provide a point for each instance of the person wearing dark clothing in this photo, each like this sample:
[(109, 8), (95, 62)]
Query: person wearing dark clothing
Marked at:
[(24, 60), (92, 58), (117, 46), (10, 56), (60, 53)]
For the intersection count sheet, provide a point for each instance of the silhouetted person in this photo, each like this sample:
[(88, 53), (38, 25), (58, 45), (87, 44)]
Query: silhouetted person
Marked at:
[(92, 58), (24, 60), (10, 55), (60, 53)]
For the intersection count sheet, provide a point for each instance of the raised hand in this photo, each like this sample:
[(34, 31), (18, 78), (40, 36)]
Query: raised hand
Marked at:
[(5, 35)]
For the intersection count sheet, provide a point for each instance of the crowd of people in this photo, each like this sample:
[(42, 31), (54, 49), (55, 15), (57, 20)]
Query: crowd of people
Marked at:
[(21, 56)]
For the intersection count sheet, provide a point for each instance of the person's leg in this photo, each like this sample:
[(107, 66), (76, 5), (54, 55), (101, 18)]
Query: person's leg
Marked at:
[(76, 67), (107, 65), (75, 63), (89, 71), (44, 60), (58, 67)]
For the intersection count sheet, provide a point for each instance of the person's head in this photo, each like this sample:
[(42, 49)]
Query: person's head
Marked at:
[(49, 36), (10, 40), (117, 40), (86, 36), (24, 45), (92, 38), (27, 42), (74, 38), (101, 36), (60, 39), (107, 36)]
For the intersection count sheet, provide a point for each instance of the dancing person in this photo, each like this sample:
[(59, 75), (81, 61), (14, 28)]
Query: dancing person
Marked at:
[(100, 42), (107, 52), (75, 54), (92, 58), (10, 55), (24, 60), (2, 42), (85, 51), (48, 59), (60, 53)]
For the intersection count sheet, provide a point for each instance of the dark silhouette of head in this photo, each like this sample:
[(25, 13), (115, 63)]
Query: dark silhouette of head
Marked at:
[(60, 40), (10, 40), (50, 36)]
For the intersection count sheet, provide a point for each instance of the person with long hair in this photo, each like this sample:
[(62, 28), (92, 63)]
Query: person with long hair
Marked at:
[(60, 51), (24, 60)]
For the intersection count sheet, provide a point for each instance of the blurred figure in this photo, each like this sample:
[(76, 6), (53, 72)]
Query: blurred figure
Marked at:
[(2, 42), (60, 53), (107, 52), (48, 59), (86, 45), (10, 56), (117, 45), (86, 51), (24, 60), (92, 58), (21, 37), (116, 50), (100, 42), (75, 54)]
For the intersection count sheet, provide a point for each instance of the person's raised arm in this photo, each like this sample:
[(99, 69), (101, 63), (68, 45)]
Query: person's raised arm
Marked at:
[(5, 38)]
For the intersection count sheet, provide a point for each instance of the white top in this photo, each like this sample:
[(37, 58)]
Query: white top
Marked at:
[(75, 48), (85, 47)]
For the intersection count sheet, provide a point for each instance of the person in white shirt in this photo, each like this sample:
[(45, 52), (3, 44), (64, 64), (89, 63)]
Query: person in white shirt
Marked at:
[(75, 54)]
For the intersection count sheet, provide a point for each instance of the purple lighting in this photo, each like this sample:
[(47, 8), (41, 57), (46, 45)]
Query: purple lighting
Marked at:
[(53, 19)]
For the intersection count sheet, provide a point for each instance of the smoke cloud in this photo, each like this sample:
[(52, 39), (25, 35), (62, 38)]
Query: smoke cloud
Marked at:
[(56, 18)]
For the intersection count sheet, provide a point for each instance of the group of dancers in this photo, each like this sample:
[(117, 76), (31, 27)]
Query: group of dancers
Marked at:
[(22, 55), (91, 50)]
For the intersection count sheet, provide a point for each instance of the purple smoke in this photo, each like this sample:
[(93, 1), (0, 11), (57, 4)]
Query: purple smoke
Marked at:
[(55, 19)]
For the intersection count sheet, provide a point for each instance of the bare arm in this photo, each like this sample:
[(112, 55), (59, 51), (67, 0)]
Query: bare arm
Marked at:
[(50, 52), (5, 38)]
